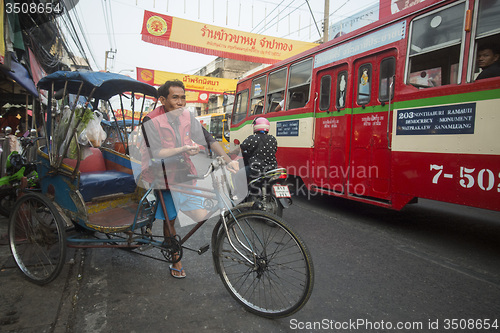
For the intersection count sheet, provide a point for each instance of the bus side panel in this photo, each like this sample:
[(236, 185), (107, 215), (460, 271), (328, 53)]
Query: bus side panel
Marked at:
[(297, 161), (329, 152), (466, 179), (449, 152), (370, 160), (338, 152)]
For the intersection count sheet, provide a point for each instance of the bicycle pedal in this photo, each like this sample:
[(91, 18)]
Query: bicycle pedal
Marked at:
[(203, 249)]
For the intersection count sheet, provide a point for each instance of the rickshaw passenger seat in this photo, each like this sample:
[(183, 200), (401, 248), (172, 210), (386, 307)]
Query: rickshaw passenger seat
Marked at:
[(95, 180), (100, 183)]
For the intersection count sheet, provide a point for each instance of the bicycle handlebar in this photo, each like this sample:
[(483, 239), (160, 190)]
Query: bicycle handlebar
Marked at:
[(219, 162)]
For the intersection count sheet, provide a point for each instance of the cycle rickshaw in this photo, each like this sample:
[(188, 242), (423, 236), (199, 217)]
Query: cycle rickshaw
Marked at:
[(96, 202)]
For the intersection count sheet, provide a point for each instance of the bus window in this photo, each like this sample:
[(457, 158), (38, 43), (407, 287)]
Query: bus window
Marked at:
[(387, 71), (228, 102), (324, 97), (240, 107), (276, 89), (488, 29), (364, 84), (258, 91), (299, 84), (434, 52), (216, 127), (341, 90)]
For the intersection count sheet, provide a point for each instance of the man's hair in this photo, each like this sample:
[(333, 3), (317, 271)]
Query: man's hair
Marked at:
[(489, 46), (165, 88)]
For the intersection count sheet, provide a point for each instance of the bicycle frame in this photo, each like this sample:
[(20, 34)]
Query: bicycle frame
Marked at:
[(222, 205)]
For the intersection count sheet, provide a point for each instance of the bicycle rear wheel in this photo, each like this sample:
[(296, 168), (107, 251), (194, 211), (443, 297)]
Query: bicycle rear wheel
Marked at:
[(279, 278), (37, 238)]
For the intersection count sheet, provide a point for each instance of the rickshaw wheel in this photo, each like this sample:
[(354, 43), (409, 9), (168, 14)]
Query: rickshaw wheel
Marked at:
[(37, 238)]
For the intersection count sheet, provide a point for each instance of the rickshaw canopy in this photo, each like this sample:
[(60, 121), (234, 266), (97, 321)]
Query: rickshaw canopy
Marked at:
[(107, 84)]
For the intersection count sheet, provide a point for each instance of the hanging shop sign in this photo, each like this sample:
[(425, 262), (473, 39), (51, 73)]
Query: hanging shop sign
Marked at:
[(201, 84), (213, 40)]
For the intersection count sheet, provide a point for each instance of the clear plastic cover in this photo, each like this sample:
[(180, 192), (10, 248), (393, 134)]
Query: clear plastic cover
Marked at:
[(167, 152)]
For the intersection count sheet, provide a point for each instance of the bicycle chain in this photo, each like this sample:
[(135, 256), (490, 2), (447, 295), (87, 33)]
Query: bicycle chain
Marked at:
[(171, 247)]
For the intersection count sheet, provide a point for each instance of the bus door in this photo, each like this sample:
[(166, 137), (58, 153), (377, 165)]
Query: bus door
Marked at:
[(331, 130), (370, 157)]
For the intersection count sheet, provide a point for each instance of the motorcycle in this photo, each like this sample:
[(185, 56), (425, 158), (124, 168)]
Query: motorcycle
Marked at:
[(269, 192), (20, 174)]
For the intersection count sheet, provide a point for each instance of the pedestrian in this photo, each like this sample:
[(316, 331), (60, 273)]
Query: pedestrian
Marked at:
[(14, 144), (487, 59), (173, 134)]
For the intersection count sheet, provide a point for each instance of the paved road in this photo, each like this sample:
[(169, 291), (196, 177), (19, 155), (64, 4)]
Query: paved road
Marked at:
[(375, 268)]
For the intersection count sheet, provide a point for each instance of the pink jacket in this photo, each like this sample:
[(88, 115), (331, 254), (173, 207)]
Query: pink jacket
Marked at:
[(165, 131)]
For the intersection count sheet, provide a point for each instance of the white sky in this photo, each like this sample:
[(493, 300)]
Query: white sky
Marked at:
[(124, 34)]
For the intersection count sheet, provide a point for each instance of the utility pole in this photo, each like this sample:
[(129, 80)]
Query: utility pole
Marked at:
[(108, 57), (326, 16)]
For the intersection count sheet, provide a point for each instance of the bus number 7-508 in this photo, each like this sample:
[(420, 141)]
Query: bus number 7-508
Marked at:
[(485, 177)]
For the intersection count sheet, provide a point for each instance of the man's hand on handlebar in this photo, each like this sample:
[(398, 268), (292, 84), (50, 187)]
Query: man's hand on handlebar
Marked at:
[(233, 166)]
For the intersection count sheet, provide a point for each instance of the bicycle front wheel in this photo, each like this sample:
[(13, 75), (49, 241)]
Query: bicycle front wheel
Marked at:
[(267, 269), (37, 238)]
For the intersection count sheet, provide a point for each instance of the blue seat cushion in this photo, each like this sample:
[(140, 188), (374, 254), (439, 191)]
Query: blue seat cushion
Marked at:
[(99, 183)]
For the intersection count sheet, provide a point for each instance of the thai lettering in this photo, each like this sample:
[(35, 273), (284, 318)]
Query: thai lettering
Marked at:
[(199, 80), (273, 44), (222, 35)]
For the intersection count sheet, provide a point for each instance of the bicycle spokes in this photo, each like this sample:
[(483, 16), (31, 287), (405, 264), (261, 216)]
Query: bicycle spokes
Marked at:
[(279, 279)]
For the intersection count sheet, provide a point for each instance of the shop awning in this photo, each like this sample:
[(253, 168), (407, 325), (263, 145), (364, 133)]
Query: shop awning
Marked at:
[(22, 77)]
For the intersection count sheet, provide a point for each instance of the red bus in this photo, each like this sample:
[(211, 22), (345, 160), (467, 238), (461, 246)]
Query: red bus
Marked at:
[(390, 112)]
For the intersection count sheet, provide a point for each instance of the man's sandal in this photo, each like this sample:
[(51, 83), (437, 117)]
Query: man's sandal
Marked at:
[(172, 269)]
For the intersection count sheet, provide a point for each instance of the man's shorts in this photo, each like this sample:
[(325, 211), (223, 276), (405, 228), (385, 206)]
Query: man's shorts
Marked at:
[(182, 201)]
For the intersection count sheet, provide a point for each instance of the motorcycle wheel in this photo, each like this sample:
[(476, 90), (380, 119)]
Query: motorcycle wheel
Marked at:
[(276, 206), (271, 205)]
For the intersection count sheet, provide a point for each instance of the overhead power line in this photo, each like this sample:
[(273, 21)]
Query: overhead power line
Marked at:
[(277, 17), (75, 26)]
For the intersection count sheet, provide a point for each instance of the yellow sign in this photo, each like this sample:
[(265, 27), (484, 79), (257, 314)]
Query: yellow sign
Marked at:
[(208, 39), (208, 84)]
